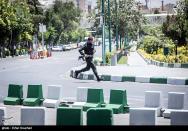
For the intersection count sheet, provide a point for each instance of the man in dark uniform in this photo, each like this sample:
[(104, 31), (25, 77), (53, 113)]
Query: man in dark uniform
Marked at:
[(89, 50)]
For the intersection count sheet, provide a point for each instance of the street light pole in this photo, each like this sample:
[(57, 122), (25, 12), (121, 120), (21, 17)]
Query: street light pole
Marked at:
[(103, 34), (109, 26), (116, 24), (125, 37), (176, 44)]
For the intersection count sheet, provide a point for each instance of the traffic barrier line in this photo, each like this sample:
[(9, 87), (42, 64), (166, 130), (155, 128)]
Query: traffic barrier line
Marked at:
[(140, 79)]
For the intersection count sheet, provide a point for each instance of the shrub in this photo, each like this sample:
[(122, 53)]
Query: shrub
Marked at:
[(108, 56), (150, 44), (97, 61), (168, 59)]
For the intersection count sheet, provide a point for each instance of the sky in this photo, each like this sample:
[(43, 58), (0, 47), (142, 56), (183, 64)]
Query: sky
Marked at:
[(158, 3)]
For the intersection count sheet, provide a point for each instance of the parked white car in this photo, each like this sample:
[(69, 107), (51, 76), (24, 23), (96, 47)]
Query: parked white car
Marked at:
[(57, 48)]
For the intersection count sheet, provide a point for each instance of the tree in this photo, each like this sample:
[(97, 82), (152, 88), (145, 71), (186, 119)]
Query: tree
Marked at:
[(176, 27), (129, 17), (156, 11), (7, 16), (37, 14), (15, 23), (64, 18)]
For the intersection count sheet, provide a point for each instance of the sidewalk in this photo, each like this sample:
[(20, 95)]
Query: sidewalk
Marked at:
[(137, 70)]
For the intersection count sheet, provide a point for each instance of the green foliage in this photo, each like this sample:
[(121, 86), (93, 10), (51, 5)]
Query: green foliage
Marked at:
[(129, 17), (123, 60), (62, 20), (181, 58), (176, 27), (150, 44), (108, 56), (156, 11)]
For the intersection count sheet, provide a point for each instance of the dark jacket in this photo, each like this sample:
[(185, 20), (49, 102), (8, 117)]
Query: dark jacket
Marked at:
[(88, 49)]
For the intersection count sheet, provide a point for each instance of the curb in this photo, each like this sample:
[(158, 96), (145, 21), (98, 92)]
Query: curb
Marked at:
[(140, 79), (163, 64)]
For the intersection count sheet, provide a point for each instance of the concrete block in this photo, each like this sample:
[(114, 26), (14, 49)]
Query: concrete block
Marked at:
[(53, 97), (176, 100), (176, 81), (54, 92), (114, 60), (177, 65), (78, 104), (116, 78), (85, 76), (2, 114), (165, 65), (81, 95), (153, 99), (32, 116), (49, 103), (142, 116), (179, 117), (142, 79)]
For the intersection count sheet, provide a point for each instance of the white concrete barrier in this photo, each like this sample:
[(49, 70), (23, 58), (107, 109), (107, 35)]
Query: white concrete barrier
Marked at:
[(175, 102), (81, 97), (53, 97), (114, 60), (116, 78), (142, 79), (2, 114), (177, 65), (179, 117), (32, 116), (176, 81), (85, 76), (153, 99), (142, 116)]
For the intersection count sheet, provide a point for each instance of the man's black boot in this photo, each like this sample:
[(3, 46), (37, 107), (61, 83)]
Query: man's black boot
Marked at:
[(76, 74), (100, 79)]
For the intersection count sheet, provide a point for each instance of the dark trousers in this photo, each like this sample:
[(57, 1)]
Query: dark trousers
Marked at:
[(91, 65)]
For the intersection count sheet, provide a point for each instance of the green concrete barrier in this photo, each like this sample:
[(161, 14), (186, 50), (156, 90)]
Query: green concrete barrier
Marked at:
[(34, 96), (184, 65), (90, 77), (106, 77), (158, 80), (186, 82), (95, 98), (15, 95), (100, 117), (161, 64), (67, 116), (128, 78), (118, 100), (170, 65)]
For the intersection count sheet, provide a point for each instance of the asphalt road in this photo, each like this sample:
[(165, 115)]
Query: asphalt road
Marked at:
[(55, 71)]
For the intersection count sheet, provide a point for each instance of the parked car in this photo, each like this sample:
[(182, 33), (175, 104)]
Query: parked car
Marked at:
[(74, 46), (66, 47), (56, 48)]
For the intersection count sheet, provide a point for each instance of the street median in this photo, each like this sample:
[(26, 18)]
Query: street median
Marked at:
[(140, 79)]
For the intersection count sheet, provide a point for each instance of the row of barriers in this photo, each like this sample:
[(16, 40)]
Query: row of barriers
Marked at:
[(40, 54), (97, 110)]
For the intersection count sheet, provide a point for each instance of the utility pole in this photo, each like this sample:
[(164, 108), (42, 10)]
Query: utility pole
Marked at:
[(109, 26), (116, 24), (103, 34)]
